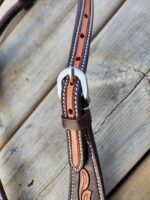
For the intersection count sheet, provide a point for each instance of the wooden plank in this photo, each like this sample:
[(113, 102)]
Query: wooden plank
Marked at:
[(137, 186), (34, 162), (29, 57), (37, 152)]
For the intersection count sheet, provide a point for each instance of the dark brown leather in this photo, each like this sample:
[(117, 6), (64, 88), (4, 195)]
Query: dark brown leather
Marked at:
[(2, 192), (86, 182), (13, 11), (80, 123), (1, 1), (26, 4)]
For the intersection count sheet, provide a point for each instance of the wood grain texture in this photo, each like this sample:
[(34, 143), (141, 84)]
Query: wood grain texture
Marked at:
[(29, 57), (137, 186), (37, 152), (125, 40), (34, 163)]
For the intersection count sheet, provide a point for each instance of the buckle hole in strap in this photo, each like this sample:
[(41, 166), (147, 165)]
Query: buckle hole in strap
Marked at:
[(77, 124)]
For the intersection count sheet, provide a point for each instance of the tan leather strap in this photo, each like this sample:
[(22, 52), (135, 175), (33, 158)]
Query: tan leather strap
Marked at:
[(86, 181), (13, 11)]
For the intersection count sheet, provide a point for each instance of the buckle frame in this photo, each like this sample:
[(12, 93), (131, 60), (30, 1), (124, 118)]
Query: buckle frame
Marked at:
[(71, 72)]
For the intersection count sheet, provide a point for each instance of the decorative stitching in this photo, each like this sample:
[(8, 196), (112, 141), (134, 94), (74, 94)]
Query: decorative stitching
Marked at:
[(75, 98), (72, 185), (64, 96), (76, 169), (75, 94), (77, 32), (77, 87), (73, 52), (88, 37), (101, 195)]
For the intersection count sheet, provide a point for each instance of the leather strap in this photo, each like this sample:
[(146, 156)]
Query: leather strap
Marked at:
[(13, 11), (2, 192), (1, 1), (86, 182), (77, 124)]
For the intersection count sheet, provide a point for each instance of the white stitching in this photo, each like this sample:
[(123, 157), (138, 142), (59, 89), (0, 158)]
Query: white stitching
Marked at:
[(88, 37), (77, 32), (75, 96), (101, 195), (64, 97), (72, 185), (70, 151)]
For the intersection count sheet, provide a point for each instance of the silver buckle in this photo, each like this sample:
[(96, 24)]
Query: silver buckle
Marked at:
[(72, 71)]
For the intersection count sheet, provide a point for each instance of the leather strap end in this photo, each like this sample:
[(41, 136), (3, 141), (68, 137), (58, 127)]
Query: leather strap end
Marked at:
[(78, 124), (27, 4)]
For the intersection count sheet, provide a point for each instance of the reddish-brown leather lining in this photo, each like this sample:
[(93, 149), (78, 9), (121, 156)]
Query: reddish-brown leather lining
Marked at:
[(75, 147)]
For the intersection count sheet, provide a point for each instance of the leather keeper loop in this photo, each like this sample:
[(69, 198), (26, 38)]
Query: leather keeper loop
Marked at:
[(78, 124)]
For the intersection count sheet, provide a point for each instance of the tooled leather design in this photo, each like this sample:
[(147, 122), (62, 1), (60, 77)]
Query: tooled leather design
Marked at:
[(96, 168), (84, 192)]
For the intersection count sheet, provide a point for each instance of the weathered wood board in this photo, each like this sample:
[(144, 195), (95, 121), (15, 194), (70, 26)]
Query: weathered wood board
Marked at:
[(29, 57), (137, 186), (34, 162), (37, 152)]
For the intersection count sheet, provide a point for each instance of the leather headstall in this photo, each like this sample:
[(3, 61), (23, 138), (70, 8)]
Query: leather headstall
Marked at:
[(86, 182), (4, 21)]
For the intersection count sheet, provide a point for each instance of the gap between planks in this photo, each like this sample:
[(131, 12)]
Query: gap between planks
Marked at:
[(97, 32), (135, 184)]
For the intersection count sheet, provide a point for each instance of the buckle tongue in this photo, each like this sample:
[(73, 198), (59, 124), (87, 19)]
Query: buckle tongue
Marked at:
[(71, 72)]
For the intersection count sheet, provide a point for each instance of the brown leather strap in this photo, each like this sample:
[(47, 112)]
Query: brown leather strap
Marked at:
[(77, 124), (13, 11), (1, 1), (26, 4), (2, 192), (86, 181)]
